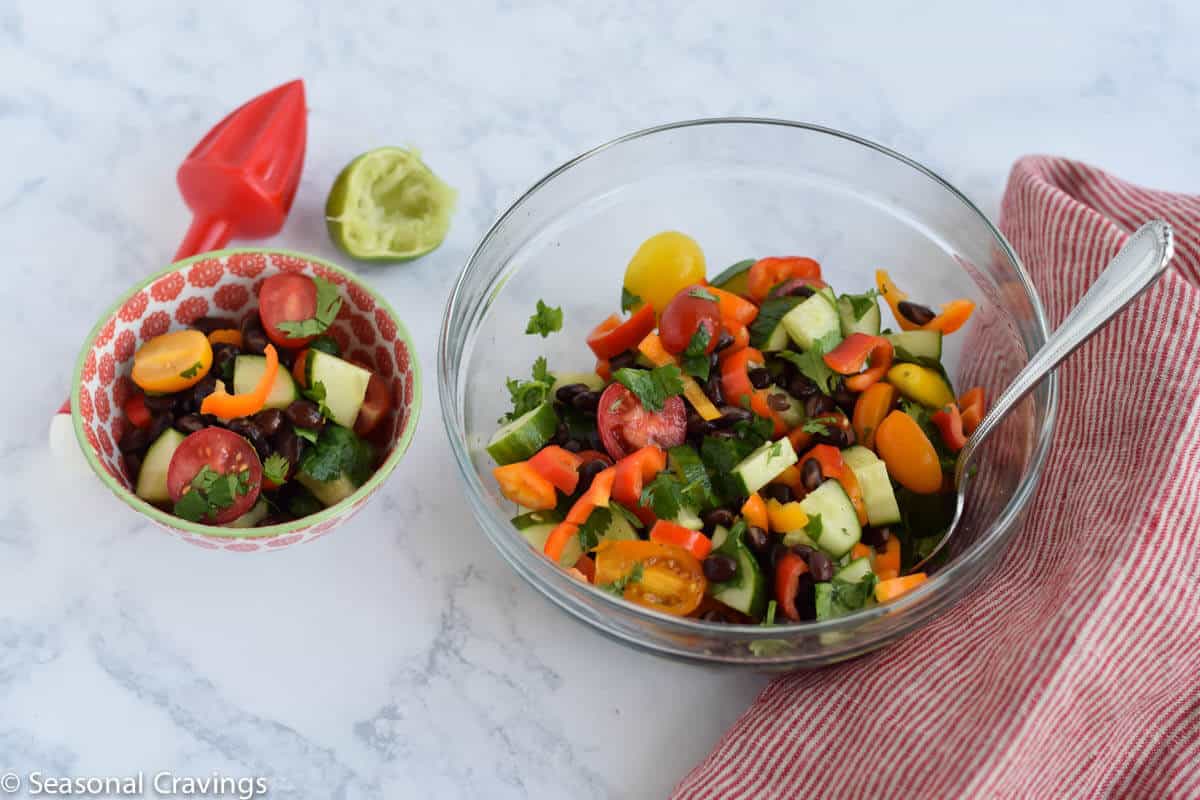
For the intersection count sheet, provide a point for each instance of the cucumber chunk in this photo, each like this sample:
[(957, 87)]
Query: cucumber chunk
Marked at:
[(767, 332), (345, 385), (152, 477), (256, 514), (869, 323), (687, 466), (522, 437), (689, 519), (746, 591), (536, 527), (588, 379), (331, 492), (248, 371), (734, 278), (855, 571), (840, 530), (851, 589), (764, 465), (878, 495), (793, 416), (914, 345), (812, 320)]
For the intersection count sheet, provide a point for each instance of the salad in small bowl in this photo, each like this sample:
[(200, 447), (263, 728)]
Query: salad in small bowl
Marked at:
[(247, 399), (754, 447)]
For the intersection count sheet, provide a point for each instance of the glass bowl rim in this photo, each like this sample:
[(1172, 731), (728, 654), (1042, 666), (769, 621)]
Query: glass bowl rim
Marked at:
[(999, 529)]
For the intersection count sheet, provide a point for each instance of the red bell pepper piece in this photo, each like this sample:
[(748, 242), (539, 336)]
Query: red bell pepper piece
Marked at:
[(633, 471), (740, 334), (787, 581), (559, 466), (694, 542), (766, 273), (973, 405), (735, 374), (755, 512), (950, 423), (136, 411), (854, 351), (556, 542), (604, 369), (613, 337), (587, 567), (597, 494), (734, 307)]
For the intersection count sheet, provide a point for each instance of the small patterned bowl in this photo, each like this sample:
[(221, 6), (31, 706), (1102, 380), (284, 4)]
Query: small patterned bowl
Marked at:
[(225, 283)]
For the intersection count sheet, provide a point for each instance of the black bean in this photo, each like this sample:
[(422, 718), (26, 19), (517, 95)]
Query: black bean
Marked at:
[(722, 517), (778, 402), (802, 550), (222, 354), (806, 599), (836, 437), (206, 386), (190, 423), (731, 415), (915, 312), (159, 423), (586, 401), (723, 341), (810, 474), (802, 386), (794, 287), (712, 615), (760, 377), (588, 472), (246, 428), (820, 566), (561, 434), (719, 567), (207, 325), (254, 339), (712, 388), (268, 420), (622, 360), (572, 446), (133, 464), (818, 404), (776, 552), (304, 414), (288, 445), (566, 394), (777, 491), (845, 398), (876, 537), (594, 442), (722, 434), (697, 426), (134, 439), (161, 402), (758, 540), (273, 519)]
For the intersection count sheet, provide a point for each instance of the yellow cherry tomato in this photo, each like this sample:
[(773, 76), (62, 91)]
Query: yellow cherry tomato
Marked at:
[(921, 385), (665, 263), (656, 575), (908, 453), (172, 362)]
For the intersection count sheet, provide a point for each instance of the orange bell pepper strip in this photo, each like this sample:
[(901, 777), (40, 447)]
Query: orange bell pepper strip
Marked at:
[(755, 512), (953, 316), (226, 336), (853, 352), (525, 487), (740, 334), (694, 542), (652, 348), (895, 587), (597, 495), (633, 471), (834, 467), (556, 542), (767, 273), (790, 478), (230, 406), (870, 409), (734, 307), (973, 406), (604, 369), (887, 563), (860, 550), (799, 438), (735, 374), (950, 423)]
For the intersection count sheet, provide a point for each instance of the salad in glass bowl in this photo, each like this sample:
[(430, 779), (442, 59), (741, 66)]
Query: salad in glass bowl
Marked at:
[(754, 447)]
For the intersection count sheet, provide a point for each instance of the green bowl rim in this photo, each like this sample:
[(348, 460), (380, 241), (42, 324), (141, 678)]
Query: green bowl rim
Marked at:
[(269, 531)]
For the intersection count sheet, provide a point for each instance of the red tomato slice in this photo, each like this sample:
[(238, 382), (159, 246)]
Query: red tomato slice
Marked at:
[(375, 404), (684, 315), (626, 425), (286, 297), (136, 411), (224, 452)]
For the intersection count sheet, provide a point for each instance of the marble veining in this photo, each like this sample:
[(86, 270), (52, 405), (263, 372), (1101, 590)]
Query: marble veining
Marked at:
[(400, 657)]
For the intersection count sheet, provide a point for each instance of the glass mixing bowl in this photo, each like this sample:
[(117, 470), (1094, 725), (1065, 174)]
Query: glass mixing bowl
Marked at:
[(744, 188)]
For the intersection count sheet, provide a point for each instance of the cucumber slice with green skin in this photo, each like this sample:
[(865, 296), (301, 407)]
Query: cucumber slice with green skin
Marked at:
[(589, 379), (248, 371), (793, 416), (812, 320), (869, 323), (915, 345), (878, 495), (537, 534), (855, 571), (840, 530), (764, 465), (330, 493), (851, 589), (152, 477), (686, 464), (767, 332), (531, 518), (619, 529), (522, 437), (746, 591), (689, 519), (252, 517), (345, 385), (735, 278)]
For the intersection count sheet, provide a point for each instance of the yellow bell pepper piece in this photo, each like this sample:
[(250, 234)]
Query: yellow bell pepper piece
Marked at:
[(921, 385), (651, 347), (786, 517)]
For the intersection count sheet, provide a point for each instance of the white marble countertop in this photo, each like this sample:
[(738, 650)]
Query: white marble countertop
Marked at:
[(400, 657)]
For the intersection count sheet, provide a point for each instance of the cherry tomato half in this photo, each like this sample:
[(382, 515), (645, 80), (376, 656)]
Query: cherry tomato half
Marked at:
[(672, 580), (224, 452), (626, 425), (375, 404), (171, 362), (286, 297), (683, 316)]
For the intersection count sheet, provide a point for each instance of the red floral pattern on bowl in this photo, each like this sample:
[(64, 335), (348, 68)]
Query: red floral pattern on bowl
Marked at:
[(225, 283)]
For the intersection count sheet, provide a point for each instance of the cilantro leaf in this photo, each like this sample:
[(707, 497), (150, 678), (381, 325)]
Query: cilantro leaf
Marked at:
[(860, 304), (301, 503), (528, 395), (853, 596), (545, 320), (338, 452), (695, 360), (617, 587), (629, 300), (329, 302), (326, 344), (192, 371), (316, 393), (626, 514), (275, 469), (211, 491), (769, 617), (754, 431), (653, 386), (700, 293), (663, 496), (307, 434), (811, 362), (813, 528), (192, 506), (593, 528), (816, 425)]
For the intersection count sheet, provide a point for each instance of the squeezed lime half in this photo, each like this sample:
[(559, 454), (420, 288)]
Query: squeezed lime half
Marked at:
[(386, 205)]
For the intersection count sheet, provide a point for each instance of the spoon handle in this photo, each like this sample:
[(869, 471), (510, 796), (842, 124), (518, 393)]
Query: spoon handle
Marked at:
[(1135, 268)]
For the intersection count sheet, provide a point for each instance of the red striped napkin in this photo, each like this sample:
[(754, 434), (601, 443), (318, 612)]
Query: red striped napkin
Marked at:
[(1074, 669)]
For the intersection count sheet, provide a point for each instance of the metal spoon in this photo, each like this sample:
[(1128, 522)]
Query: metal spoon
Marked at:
[(1141, 262)]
